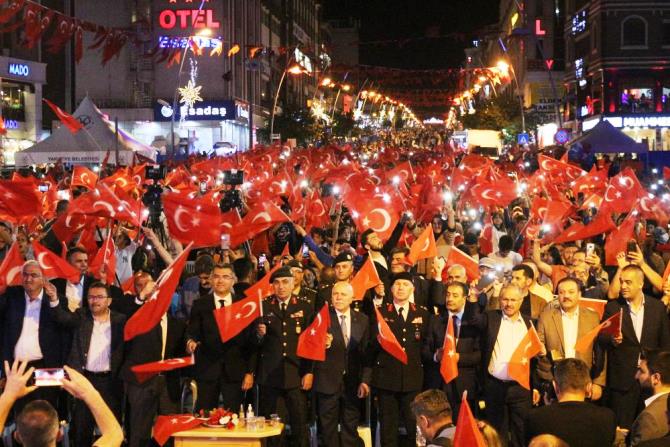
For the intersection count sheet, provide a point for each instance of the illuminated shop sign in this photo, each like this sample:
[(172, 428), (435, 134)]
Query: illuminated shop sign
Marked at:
[(631, 121), (201, 111), (11, 124), (182, 42), (22, 70), (183, 19)]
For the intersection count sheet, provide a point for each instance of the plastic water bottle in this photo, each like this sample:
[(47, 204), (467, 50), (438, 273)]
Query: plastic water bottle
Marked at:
[(420, 440), (250, 412)]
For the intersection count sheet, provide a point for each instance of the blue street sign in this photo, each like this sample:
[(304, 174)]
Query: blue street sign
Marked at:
[(523, 138)]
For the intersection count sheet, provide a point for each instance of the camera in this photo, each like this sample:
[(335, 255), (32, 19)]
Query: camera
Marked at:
[(155, 172), (152, 200), (231, 199), (233, 177)]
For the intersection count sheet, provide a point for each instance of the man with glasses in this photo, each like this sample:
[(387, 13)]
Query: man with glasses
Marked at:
[(97, 353), (220, 368), (29, 332)]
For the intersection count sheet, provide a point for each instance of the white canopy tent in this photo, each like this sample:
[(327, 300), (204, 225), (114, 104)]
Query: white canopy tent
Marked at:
[(90, 145)]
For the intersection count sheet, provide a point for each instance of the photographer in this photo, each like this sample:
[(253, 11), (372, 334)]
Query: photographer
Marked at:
[(37, 424)]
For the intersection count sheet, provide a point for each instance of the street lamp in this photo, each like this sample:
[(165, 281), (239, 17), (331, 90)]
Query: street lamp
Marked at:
[(505, 68), (294, 70)]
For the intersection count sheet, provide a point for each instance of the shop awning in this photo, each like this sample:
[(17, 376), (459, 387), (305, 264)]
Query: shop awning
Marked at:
[(605, 138), (88, 146)]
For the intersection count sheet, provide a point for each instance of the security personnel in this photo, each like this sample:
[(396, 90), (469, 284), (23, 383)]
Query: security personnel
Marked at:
[(300, 291), (395, 383), (281, 373), (344, 271)]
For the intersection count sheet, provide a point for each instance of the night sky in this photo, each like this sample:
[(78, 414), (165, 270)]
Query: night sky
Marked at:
[(436, 31)]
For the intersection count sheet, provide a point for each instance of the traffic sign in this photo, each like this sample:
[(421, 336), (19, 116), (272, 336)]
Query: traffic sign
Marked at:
[(562, 136), (523, 138)]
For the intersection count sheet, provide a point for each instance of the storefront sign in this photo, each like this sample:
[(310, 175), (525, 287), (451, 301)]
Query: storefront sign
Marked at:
[(630, 121), (183, 19), (11, 124), (22, 70), (202, 111)]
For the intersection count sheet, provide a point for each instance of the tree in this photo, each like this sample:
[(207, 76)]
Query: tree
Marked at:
[(292, 123)]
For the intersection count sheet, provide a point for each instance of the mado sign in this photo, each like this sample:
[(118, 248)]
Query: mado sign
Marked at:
[(22, 70), (201, 111)]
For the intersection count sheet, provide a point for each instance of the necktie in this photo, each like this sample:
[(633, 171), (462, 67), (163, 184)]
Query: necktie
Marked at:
[(283, 309), (457, 326), (343, 326), (222, 303), (401, 311)]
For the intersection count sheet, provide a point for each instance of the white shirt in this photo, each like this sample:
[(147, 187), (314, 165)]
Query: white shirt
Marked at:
[(227, 300), (124, 256), (649, 400), (164, 329), (405, 309), (100, 349), (347, 319), (28, 345), (74, 293), (507, 262), (570, 327), (510, 334), (638, 319)]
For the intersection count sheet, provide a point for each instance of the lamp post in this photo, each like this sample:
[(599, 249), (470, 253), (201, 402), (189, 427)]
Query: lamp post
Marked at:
[(504, 66), (296, 70), (346, 88)]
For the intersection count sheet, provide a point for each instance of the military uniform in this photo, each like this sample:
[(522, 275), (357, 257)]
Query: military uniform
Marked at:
[(308, 295), (397, 384), (280, 370)]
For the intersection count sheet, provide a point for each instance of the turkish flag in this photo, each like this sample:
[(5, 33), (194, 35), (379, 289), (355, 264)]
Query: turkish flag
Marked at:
[(317, 212), (128, 287), (68, 120), (388, 341), (19, 200), (53, 266), (611, 326), (366, 278), (146, 371), (601, 224), (166, 425), (103, 266), (231, 320), (617, 240), (121, 180), (103, 202), (403, 171), (623, 190), (263, 288), (262, 217), (491, 194), (10, 268), (374, 213), (558, 167), (193, 219), (67, 225), (593, 304), (471, 266), (312, 342), (467, 431), (666, 173), (519, 364), (155, 306), (449, 363), (424, 246), (594, 181)]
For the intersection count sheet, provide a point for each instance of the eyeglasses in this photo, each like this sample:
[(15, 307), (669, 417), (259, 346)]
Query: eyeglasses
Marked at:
[(31, 275), (97, 297), (226, 277)]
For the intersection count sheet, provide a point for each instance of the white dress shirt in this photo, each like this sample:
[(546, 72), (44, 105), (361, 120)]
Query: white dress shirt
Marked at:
[(74, 293), (347, 316), (27, 347), (510, 334), (570, 328), (405, 309), (100, 348), (651, 399), (227, 300), (638, 319)]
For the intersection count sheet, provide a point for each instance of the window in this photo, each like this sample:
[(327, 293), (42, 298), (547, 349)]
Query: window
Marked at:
[(666, 34), (634, 32)]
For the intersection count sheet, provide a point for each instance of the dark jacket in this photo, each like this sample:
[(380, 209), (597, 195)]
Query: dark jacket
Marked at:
[(213, 358), (343, 366), (12, 312)]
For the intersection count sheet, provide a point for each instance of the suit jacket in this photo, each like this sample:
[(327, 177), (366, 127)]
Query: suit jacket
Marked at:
[(550, 331), (61, 286), (467, 346), (213, 358), (537, 305), (388, 373), (146, 348), (81, 322), (343, 368), (278, 365), (428, 293), (12, 312), (489, 324), (652, 423), (622, 359)]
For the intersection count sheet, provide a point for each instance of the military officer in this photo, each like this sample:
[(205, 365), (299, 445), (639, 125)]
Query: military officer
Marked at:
[(281, 373), (300, 291)]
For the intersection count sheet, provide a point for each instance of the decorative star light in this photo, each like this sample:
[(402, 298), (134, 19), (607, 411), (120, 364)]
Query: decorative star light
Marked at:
[(190, 94)]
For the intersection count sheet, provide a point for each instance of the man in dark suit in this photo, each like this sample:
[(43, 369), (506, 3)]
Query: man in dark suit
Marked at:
[(282, 374), (560, 326), (380, 252), (523, 277), (97, 353), (462, 314), (224, 369), (654, 376), (644, 327), (507, 402), (75, 292), (159, 394), (29, 332), (395, 383), (575, 421), (339, 380)]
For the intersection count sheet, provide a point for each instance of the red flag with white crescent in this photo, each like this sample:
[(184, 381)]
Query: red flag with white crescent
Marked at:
[(611, 326), (423, 247), (366, 278), (449, 362), (166, 425), (312, 342), (146, 371), (103, 266), (10, 269), (519, 364), (388, 341), (232, 319), (53, 266)]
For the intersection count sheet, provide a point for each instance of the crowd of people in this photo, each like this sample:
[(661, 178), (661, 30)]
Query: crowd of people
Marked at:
[(484, 253)]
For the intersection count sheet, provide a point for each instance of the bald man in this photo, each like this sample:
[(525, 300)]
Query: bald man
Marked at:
[(339, 381)]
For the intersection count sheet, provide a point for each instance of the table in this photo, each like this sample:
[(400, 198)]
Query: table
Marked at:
[(238, 437)]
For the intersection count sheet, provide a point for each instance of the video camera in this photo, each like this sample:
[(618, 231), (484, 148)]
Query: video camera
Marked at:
[(231, 198), (155, 173)]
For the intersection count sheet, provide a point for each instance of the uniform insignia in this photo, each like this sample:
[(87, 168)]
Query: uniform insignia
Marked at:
[(417, 320), (297, 314)]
